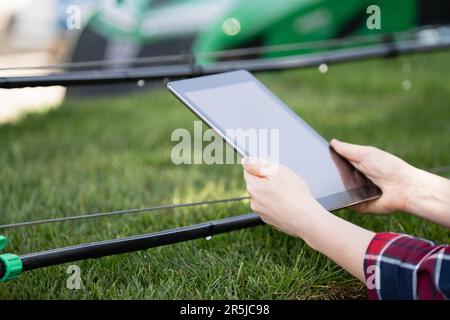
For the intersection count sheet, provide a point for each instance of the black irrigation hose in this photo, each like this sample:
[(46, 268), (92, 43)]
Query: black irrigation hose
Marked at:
[(387, 49), (135, 243), (174, 58), (11, 265), (223, 54)]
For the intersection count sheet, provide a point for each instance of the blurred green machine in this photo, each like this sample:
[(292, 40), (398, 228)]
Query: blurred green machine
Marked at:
[(121, 30)]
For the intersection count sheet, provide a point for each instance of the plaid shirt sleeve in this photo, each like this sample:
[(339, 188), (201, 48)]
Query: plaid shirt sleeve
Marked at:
[(399, 266)]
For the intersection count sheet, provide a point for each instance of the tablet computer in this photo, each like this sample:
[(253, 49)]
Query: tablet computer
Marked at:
[(236, 102)]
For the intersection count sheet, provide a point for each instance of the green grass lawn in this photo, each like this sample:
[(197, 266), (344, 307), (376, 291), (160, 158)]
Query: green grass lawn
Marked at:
[(107, 154)]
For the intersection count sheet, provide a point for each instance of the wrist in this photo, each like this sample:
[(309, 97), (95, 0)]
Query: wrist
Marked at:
[(417, 191), (311, 227), (406, 186), (427, 196), (340, 240)]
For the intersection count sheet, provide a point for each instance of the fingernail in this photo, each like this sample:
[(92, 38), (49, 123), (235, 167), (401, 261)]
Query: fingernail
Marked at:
[(251, 160)]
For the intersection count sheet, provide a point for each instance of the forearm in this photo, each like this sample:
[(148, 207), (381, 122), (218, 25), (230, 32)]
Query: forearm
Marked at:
[(428, 196), (340, 240)]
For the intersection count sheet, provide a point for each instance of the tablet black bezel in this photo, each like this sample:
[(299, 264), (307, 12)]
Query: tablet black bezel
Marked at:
[(179, 88)]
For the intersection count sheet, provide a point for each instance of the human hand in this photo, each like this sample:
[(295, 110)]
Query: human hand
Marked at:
[(283, 200), (390, 173), (280, 197)]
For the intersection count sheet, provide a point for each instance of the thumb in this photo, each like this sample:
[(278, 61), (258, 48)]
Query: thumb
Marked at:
[(352, 152), (254, 166)]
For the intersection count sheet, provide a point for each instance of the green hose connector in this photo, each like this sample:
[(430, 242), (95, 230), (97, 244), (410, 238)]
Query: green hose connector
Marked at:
[(10, 264), (3, 242)]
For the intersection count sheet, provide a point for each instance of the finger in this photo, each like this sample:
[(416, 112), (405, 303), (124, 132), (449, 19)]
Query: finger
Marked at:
[(255, 206), (371, 206), (350, 151), (255, 166), (360, 207), (252, 181)]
